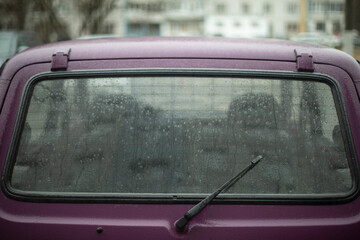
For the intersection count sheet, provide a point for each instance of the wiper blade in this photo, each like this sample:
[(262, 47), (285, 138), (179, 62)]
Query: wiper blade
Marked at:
[(180, 224)]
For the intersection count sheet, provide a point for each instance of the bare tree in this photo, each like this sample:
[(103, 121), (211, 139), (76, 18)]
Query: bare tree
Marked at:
[(13, 14), (49, 22), (39, 16), (94, 13)]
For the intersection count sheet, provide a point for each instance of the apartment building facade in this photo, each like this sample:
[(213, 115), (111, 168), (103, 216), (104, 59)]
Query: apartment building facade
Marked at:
[(228, 18)]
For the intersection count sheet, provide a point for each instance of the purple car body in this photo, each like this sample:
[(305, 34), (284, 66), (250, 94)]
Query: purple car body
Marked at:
[(99, 207)]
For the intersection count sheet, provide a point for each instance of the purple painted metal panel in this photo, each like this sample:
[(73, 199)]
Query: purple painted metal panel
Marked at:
[(4, 84), (183, 48), (11, 106), (350, 96), (304, 61), (165, 48), (60, 60), (27, 220)]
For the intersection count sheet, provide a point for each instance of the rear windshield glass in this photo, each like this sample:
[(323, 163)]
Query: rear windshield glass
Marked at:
[(181, 135)]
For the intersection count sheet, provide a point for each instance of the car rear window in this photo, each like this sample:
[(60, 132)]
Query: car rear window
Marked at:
[(181, 136)]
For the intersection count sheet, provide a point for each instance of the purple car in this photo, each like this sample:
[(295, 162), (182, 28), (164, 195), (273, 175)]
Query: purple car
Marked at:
[(166, 138)]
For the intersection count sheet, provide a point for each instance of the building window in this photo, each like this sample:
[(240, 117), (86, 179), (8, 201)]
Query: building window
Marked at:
[(292, 27), (292, 7), (317, 7), (133, 6), (143, 29), (246, 8), (254, 24), (219, 24), (335, 7), (134, 28), (175, 5), (108, 28), (155, 7), (154, 29), (320, 26), (237, 24), (267, 8), (220, 8), (321, 7)]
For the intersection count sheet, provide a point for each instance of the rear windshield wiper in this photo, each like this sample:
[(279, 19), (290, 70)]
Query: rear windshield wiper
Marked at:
[(180, 224)]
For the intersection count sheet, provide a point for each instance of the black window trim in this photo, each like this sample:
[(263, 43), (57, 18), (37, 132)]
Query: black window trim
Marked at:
[(304, 199)]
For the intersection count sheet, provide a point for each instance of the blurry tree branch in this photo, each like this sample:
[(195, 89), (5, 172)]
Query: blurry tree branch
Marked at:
[(50, 22), (39, 16), (94, 13), (13, 13)]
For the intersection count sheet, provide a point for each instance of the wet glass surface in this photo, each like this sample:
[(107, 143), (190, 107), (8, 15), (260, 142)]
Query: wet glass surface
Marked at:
[(181, 135)]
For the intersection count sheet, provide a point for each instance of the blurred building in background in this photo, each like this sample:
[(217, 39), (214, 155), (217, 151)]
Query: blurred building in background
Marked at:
[(326, 16), (184, 18), (68, 19), (237, 19), (142, 18)]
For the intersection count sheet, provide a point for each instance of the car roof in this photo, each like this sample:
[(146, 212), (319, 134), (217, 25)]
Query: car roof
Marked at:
[(178, 48)]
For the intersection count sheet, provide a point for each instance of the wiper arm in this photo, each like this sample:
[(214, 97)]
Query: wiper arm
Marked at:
[(180, 224)]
